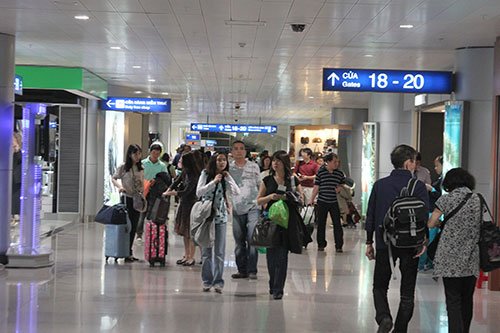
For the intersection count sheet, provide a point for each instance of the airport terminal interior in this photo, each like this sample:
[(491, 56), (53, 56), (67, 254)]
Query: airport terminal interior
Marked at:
[(83, 81)]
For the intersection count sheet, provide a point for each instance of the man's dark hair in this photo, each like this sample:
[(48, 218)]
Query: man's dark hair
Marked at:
[(239, 141), (419, 157), (155, 146), (401, 154), (329, 157), (458, 177), (308, 151)]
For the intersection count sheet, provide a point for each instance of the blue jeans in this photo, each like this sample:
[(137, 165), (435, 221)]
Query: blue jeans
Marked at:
[(212, 266), (246, 255)]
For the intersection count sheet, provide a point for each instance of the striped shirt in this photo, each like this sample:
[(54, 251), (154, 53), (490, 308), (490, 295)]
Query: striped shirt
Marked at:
[(328, 182)]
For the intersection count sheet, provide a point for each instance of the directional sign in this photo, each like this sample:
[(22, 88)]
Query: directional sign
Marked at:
[(349, 79), (193, 137), (210, 143), (136, 104), (18, 85), (270, 129)]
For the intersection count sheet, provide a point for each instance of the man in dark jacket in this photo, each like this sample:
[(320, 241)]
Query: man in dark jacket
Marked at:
[(384, 192)]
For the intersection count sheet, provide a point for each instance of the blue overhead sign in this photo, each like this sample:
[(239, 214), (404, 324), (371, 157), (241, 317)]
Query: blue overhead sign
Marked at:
[(419, 82), (192, 137), (136, 104), (270, 129), (18, 85)]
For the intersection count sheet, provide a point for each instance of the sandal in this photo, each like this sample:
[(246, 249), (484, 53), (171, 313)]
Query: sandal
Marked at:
[(181, 261), (189, 263)]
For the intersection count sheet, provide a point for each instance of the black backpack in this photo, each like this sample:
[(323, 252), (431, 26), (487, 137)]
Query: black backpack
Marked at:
[(489, 240), (406, 220)]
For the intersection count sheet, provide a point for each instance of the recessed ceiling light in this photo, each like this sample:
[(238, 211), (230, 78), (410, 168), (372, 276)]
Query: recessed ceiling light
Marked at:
[(369, 55), (311, 97), (182, 109), (151, 80), (406, 26), (137, 92), (115, 48), (165, 93), (136, 66), (82, 17), (245, 23)]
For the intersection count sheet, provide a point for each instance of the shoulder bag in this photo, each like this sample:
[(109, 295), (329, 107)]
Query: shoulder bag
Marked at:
[(489, 241), (202, 228)]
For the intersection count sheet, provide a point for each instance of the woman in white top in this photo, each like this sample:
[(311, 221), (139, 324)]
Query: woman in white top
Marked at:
[(213, 184)]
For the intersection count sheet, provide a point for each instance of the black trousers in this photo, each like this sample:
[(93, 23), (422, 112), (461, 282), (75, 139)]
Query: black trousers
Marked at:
[(408, 267), (133, 215), (277, 265), (322, 211), (459, 302)]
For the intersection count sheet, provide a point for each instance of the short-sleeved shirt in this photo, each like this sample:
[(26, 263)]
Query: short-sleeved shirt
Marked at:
[(132, 180), (328, 182), (151, 169), (307, 169), (248, 180), (457, 254)]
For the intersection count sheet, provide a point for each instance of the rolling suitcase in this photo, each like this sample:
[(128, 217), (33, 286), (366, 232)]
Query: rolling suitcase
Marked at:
[(117, 240), (155, 247)]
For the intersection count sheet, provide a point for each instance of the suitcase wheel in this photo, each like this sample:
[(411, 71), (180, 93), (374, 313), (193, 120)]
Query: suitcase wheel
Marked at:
[(162, 263), (116, 259), (107, 258), (151, 264)]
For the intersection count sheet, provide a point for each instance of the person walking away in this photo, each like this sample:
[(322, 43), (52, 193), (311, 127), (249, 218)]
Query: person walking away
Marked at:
[(187, 194), (213, 184), (326, 187), (457, 254), (129, 179), (152, 166), (246, 174), (289, 239), (384, 192)]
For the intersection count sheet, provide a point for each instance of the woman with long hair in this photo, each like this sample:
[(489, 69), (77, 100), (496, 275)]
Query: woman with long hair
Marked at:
[(265, 166), (281, 180), (187, 195), (131, 176), (214, 184), (457, 254)]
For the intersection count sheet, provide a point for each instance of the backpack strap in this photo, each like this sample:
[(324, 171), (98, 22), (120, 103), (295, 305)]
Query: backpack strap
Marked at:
[(482, 205), (412, 184)]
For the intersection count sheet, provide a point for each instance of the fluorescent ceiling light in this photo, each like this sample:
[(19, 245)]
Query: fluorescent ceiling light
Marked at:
[(82, 17), (165, 93), (151, 80), (137, 92), (246, 23), (369, 55), (406, 26), (115, 48), (136, 66), (311, 97), (182, 109)]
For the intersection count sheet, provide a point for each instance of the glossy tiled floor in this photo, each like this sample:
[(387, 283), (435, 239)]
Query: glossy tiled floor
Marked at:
[(325, 292)]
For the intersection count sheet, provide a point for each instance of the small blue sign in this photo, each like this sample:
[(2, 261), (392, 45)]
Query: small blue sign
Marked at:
[(374, 80), (210, 143), (269, 129), (192, 137), (157, 105), (18, 85)]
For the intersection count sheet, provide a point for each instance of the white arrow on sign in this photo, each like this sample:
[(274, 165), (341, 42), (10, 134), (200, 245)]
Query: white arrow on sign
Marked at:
[(333, 77), (108, 103)]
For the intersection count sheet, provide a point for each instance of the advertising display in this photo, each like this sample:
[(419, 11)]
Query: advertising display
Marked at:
[(453, 135), (368, 163), (113, 153), (270, 129), (192, 137), (156, 105), (18, 85), (374, 80)]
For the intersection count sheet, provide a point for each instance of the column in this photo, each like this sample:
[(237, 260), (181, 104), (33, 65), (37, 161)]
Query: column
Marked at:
[(164, 123), (354, 118), (7, 54), (474, 72), (387, 109), (89, 162)]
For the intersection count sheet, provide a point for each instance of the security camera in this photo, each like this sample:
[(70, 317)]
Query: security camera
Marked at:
[(296, 27), (236, 120), (237, 106)]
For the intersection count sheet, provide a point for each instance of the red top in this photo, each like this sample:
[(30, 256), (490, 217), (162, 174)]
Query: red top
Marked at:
[(307, 169)]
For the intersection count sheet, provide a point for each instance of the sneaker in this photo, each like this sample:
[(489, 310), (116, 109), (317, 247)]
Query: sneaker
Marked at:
[(321, 249), (339, 250), (252, 276), (218, 290), (239, 276), (139, 240), (206, 288), (278, 295), (385, 325)]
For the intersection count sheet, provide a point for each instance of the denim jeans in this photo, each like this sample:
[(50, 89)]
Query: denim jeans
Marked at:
[(212, 266), (246, 255), (322, 211), (277, 265), (459, 302), (381, 277)]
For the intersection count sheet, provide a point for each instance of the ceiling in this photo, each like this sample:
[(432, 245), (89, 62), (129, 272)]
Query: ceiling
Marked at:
[(209, 55)]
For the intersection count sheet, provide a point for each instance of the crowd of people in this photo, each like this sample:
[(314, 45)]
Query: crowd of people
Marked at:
[(242, 192)]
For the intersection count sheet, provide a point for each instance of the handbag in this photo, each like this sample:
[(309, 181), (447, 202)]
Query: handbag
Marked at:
[(308, 215), (489, 241), (202, 228), (432, 248), (304, 140), (139, 202), (317, 140), (265, 233), (159, 211)]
